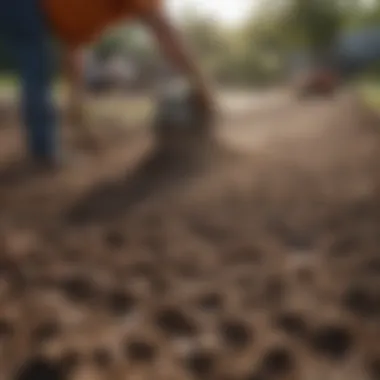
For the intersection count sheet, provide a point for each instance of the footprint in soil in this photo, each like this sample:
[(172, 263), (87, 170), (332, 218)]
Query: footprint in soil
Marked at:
[(78, 289), (277, 361), (236, 334), (140, 351), (361, 301), (42, 369), (292, 324), (201, 363), (331, 341), (120, 303), (175, 323), (211, 302)]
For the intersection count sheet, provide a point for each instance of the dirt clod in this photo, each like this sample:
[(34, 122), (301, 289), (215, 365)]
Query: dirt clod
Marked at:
[(332, 341), (78, 289), (174, 322), (236, 334), (211, 302), (140, 351), (277, 361), (40, 369), (120, 303), (292, 324), (361, 301), (200, 363)]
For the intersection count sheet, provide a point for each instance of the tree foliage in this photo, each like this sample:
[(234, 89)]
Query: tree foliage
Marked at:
[(256, 52)]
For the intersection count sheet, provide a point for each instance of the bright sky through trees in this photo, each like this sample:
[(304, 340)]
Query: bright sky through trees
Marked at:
[(227, 11)]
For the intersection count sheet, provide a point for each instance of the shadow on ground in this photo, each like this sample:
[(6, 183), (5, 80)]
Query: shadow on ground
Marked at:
[(160, 171)]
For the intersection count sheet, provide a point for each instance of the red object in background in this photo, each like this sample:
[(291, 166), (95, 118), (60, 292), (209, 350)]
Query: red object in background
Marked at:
[(321, 81), (325, 79)]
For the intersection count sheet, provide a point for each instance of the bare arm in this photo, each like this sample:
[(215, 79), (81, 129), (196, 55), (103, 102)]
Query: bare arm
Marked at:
[(178, 53), (73, 72)]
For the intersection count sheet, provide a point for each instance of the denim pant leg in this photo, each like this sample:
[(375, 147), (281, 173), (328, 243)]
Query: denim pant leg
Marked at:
[(23, 29), (35, 67)]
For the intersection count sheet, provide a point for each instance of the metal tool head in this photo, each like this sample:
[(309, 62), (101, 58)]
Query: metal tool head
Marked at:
[(181, 118)]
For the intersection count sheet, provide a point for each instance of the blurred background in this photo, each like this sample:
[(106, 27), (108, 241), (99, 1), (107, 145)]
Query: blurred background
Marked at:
[(241, 44)]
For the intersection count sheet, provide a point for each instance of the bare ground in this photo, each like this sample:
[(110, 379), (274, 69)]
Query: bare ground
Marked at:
[(256, 259)]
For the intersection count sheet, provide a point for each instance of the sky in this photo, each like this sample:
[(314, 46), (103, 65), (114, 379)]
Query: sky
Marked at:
[(227, 11)]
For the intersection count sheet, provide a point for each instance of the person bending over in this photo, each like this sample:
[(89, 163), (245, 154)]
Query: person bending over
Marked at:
[(27, 28)]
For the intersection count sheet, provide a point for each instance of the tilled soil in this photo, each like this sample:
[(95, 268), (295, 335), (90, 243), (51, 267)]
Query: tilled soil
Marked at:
[(234, 264)]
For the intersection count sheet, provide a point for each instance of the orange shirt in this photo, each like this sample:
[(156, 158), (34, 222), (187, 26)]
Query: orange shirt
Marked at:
[(79, 22)]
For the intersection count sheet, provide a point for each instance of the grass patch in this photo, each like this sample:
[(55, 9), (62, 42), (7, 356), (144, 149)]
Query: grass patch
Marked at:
[(9, 84), (370, 92), (134, 109), (8, 80)]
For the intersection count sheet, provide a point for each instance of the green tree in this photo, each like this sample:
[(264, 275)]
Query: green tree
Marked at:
[(207, 38), (314, 24)]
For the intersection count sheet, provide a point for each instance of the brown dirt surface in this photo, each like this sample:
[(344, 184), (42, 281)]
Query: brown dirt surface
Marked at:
[(255, 258)]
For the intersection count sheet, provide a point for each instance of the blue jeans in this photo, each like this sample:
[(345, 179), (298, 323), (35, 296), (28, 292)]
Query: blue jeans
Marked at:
[(23, 30)]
